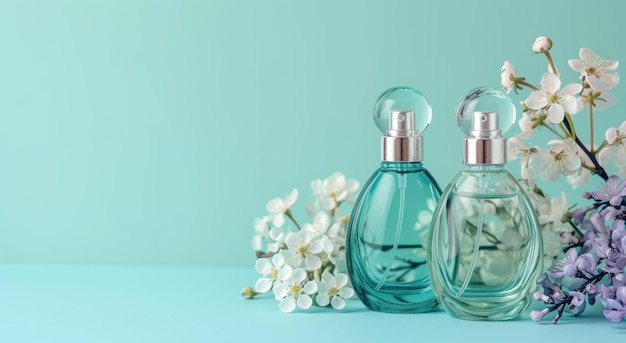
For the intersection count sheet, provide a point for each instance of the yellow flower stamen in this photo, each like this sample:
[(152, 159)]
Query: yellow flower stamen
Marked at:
[(558, 156), (554, 98), (303, 250), (295, 289)]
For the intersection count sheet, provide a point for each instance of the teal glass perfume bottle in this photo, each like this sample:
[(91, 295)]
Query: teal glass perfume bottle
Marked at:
[(389, 224), (485, 253)]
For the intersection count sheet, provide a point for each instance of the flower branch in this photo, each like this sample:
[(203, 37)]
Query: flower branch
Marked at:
[(593, 237), (308, 262)]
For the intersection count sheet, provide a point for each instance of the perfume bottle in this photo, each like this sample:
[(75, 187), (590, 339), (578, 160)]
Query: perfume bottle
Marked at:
[(485, 252), (389, 224)]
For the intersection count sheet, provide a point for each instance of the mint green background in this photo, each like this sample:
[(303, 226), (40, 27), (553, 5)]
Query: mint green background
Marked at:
[(154, 132)]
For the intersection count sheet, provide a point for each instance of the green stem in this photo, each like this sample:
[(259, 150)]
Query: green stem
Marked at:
[(591, 127), (576, 229), (567, 134), (588, 167), (570, 123), (524, 83), (552, 130), (288, 214), (552, 66), (334, 210), (602, 146)]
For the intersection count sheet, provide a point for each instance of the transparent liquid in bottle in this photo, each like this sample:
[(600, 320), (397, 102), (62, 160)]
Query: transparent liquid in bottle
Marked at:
[(486, 249)]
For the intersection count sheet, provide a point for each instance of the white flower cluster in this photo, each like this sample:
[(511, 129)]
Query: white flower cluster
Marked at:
[(554, 218), (553, 108), (303, 261)]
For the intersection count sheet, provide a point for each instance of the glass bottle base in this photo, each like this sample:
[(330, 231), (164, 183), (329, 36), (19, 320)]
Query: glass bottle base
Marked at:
[(484, 310), (376, 303)]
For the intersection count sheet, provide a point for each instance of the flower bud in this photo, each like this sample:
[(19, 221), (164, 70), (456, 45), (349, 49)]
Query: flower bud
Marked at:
[(591, 298), (542, 44), (538, 315), (578, 298), (590, 288), (345, 219), (568, 238), (508, 76), (248, 293)]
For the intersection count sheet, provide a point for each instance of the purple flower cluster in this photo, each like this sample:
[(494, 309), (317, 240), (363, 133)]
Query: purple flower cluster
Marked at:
[(593, 268)]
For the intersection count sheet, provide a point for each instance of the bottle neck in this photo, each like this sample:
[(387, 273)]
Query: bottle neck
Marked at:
[(401, 167), (401, 149), (477, 150)]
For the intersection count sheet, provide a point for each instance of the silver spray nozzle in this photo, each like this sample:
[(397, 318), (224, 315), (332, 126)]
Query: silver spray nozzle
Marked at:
[(403, 142), (485, 124), (402, 124), (485, 144)]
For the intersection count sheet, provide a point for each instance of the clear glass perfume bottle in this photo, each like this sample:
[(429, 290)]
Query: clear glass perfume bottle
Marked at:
[(389, 224), (485, 252)]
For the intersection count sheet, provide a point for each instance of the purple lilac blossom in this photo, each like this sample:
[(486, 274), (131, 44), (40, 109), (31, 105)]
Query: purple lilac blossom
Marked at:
[(600, 256), (612, 213), (587, 263), (578, 298), (613, 191), (579, 214), (614, 307), (566, 266)]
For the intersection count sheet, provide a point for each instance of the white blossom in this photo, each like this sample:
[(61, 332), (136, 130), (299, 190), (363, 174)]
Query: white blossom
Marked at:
[(422, 225), (560, 159), (279, 206), (299, 257), (333, 290), (302, 249), (579, 178), (517, 147), (556, 101), (262, 230), (321, 226), (327, 233), (277, 235), (274, 270), (424, 217), (593, 69), (531, 120), (615, 150), (550, 232), (542, 44), (537, 198), (552, 243), (600, 100), (295, 290), (557, 210), (508, 76), (267, 238), (334, 190)]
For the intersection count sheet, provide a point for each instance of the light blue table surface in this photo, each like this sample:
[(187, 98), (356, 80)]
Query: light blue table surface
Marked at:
[(202, 304)]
